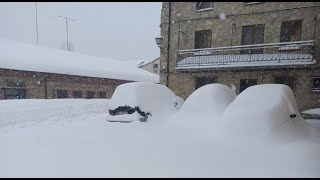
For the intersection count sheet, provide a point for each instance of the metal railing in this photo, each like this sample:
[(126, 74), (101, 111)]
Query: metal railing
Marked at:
[(298, 52)]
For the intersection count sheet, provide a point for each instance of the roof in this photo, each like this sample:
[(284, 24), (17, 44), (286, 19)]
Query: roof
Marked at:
[(20, 56), (147, 62)]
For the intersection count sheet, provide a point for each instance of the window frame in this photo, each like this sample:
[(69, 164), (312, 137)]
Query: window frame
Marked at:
[(289, 35), (286, 80), (208, 80), (196, 39), (204, 9), (102, 92), (80, 93), (20, 95), (248, 79), (91, 95), (251, 3), (312, 84), (254, 30), (65, 91)]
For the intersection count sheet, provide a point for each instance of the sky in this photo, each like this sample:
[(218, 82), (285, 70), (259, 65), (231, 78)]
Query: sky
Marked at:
[(122, 30)]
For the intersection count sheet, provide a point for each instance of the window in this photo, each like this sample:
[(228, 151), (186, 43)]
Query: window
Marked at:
[(249, 3), (155, 67), (62, 93), (102, 94), (201, 81), (290, 31), (12, 93), (77, 94), (252, 35), (202, 39), (90, 94), (287, 80), (204, 5), (315, 84), (245, 83)]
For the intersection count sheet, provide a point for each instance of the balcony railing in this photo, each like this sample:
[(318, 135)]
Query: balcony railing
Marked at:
[(272, 54)]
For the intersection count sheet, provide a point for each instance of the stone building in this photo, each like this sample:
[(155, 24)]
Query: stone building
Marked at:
[(30, 72), (151, 66), (241, 44)]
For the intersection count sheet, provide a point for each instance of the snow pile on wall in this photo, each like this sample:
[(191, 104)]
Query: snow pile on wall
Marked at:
[(156, 99), (24, 110), (263, 111), (20, 56), (204, 107)]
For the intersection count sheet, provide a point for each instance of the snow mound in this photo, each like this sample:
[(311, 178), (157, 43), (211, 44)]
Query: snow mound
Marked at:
[(263, 111), (156, 99), (204, 106), (23, 111)]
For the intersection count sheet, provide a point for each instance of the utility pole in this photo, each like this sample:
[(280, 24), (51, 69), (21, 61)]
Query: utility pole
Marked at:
[(67, 20), (37, 23)]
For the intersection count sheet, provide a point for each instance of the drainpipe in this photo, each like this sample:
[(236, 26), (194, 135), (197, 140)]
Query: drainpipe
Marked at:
[(315, 26), (45, 87), (233, 25), (168, 50)]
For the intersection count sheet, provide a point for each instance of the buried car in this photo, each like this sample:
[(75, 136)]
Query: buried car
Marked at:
[(263, 111), (204, 107), (142, 101)]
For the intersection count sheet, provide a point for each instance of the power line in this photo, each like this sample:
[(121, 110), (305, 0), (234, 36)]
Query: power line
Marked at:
[(67, 29), (37, 22)]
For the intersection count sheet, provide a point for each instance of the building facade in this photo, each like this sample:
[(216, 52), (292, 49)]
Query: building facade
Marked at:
[(16, 84), (241, 44), (32, 72), (152, 66)]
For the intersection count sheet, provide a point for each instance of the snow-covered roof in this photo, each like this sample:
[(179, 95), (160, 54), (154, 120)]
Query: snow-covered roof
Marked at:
[(27, 57), (145, 62)]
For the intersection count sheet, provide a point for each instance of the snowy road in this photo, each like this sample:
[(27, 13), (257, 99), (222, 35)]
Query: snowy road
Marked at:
[(83, 144)]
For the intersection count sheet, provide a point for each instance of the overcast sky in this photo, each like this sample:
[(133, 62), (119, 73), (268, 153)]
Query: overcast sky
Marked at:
[(123, 31)]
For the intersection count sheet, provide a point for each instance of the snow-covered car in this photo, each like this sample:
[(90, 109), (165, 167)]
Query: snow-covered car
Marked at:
[(204, 106), (262, 110), (142, 101)]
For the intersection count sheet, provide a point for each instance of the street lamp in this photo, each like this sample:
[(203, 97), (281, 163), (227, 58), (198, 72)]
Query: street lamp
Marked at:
[(159, 42)]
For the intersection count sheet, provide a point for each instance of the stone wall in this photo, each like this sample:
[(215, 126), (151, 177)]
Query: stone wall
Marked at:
[(45, 85)]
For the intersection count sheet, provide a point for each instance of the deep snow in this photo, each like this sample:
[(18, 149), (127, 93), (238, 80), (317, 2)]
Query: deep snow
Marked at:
[(83, 144)]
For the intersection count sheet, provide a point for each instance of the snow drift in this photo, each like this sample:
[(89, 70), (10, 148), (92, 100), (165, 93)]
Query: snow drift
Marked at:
[(23, 111), (204, 107)]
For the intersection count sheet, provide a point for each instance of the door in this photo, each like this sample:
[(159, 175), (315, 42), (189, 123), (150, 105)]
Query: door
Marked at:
[(252, 35)]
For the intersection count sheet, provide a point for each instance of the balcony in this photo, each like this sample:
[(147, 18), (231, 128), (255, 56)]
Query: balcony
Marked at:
[(272, 54)]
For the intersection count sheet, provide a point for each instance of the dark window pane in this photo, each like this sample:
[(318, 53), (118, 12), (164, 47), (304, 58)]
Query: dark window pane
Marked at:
[(290, 31), (102, 94), (203, 5), (12, 93), (202, 39), (77, 94), (62, 93), (90, 94), (287, 80), (201, 81), (245, 83), (316, 83), (252, 35)]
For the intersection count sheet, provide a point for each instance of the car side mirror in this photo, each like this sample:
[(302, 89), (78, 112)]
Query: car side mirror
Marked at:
[(293, 115)]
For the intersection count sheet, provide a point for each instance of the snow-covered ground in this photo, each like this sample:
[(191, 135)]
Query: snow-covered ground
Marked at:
[(71, 138)]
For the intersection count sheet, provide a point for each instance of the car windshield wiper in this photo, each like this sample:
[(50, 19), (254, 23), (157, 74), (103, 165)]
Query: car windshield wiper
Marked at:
[(128, 110)]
